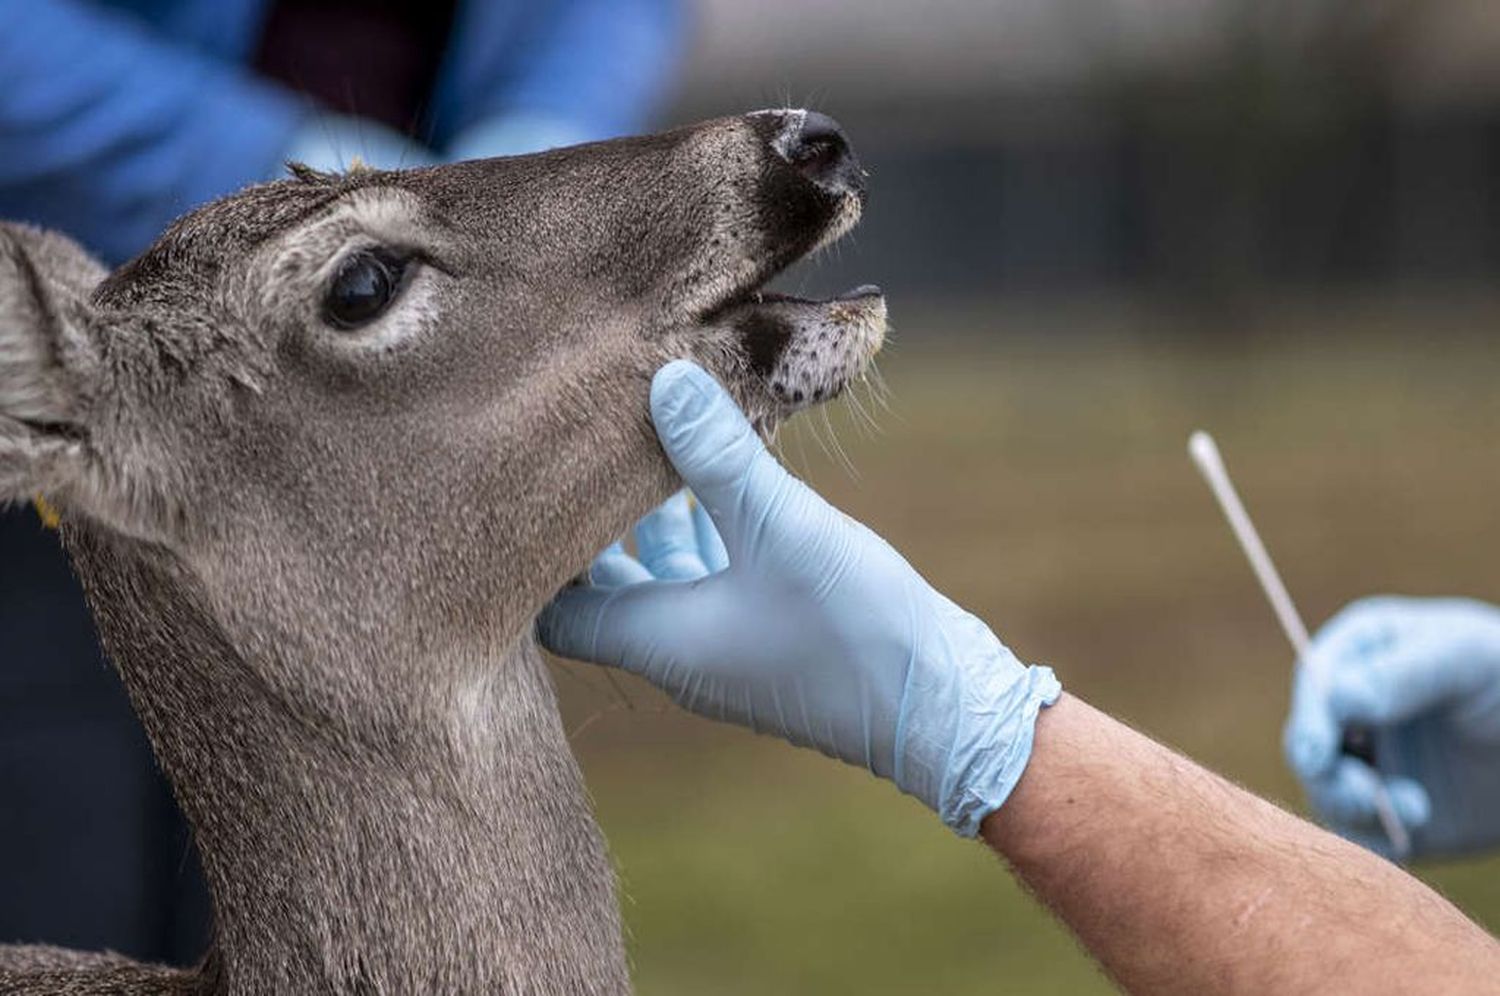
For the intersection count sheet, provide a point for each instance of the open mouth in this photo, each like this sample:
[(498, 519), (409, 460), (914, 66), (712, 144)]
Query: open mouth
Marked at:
[(794, 352)]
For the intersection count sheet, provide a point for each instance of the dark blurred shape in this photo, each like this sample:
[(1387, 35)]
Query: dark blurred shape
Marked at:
[(385, 63), (84, 802)]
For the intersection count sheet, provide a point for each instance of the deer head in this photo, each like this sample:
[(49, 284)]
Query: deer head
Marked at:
[(396, 407)]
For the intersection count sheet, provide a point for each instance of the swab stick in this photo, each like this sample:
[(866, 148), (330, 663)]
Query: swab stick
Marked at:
[(1205, 454)]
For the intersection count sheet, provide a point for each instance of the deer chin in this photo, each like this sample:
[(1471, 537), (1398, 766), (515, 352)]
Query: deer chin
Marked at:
[(803, 352)]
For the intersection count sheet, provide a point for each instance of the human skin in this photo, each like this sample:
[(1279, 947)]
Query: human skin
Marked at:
[(1179, 882)]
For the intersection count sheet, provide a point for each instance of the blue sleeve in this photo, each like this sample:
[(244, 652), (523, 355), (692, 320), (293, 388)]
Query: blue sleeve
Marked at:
[(600, 66), (108, 132)]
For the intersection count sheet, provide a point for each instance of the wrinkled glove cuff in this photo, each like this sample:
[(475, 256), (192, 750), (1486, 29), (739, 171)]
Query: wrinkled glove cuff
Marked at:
[(993, 751)]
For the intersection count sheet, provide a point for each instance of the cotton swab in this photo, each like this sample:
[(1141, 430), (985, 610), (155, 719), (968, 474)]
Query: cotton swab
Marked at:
[(1205, 454)]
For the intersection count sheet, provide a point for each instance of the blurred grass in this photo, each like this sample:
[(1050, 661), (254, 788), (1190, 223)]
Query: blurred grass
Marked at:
[(1032, 465)]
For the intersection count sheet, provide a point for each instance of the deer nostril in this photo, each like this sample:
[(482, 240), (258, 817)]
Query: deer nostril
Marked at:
[(817, 156), (816, 146)]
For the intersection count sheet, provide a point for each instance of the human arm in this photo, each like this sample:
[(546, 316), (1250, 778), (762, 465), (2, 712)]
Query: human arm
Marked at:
[(1179, 882), (1423, 675)]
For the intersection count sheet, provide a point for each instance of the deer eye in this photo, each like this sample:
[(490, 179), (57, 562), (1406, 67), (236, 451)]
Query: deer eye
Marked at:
[(364, 287)]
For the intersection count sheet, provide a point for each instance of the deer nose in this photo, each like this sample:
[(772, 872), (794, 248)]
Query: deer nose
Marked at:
[(815, 145)]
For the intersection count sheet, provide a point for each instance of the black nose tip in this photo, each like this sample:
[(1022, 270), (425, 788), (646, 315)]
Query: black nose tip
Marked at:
[(816, 146)]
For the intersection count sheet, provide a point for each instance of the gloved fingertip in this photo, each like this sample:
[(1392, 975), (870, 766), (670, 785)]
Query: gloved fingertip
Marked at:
[(544, 627), (1310, 738), (1308, 753), (1413, 805), (562, 622), (681, 503), (710, 543), (682, 389), (702, 429), (615, 568)]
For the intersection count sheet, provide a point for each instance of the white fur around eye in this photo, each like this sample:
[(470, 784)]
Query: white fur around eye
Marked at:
[(293, 274), (407, 319)]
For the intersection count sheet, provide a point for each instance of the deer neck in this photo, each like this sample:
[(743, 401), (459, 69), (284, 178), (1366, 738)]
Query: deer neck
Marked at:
[(456, 854)]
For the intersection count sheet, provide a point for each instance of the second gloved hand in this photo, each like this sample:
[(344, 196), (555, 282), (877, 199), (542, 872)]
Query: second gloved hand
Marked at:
[(801, 622), (1424, 674)]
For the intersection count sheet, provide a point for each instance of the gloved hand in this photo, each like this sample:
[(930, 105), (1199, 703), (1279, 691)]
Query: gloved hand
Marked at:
[(1425, 675), (332, 143), (802, 622)]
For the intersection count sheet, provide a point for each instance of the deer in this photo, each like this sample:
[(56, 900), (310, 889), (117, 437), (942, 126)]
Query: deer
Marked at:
[(322, 453)]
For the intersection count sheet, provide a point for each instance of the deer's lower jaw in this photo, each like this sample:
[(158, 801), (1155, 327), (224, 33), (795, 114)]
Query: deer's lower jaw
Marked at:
[(804, 352)]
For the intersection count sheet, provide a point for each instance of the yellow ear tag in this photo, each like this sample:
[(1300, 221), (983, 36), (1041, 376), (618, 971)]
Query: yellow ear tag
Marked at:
[(44, 510)]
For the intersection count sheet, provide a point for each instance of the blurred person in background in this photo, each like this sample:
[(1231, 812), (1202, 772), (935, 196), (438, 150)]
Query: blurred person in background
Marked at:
[(119, 115), (1424, 675), (765, 606)]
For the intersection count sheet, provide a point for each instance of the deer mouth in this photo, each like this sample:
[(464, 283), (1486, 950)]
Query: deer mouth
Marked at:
[(801, 352), (797, 351), (782, 353)]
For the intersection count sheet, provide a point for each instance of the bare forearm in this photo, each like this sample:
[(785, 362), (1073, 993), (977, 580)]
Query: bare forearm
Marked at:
[(1179, 882)]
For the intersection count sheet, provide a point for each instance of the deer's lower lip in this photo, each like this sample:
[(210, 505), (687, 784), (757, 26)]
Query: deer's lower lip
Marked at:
[(806, 351)]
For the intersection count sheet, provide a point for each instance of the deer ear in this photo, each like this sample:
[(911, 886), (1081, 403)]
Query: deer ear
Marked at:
[(48, 365)]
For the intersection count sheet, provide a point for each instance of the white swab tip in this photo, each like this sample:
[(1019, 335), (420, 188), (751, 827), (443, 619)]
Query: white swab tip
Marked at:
[(1202, 449)]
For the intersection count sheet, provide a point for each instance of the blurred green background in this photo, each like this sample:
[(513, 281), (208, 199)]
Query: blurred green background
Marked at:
[(1100, 224)]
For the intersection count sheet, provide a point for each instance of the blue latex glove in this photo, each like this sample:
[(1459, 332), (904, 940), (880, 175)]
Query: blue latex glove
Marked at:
[(1425, 675), (801, 622), (333, 142)]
